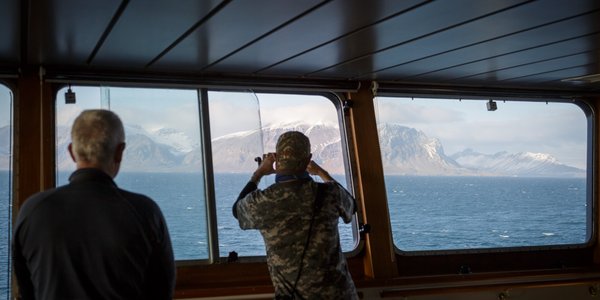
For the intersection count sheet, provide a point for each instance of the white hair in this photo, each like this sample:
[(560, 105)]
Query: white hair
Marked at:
[(95, 135)]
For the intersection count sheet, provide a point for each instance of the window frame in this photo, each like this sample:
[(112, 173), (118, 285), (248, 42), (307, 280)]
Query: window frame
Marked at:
[(55, 95), (12, 212), (208, 171), (465, 261), (336, 100)]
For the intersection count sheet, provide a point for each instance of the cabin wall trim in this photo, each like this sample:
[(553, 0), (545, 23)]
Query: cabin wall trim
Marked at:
[(379, 257)]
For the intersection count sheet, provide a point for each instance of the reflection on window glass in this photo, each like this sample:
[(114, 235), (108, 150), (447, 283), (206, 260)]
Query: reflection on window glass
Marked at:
[(162, 159), (246, 125), (5, 189), (461, 176)]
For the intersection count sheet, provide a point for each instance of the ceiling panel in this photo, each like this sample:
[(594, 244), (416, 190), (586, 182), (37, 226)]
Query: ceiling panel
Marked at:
[(236, 25), (148, 27), (530, 56), (506, 22), (321, 26), (537, 43), (544, 80), (65, 32), (508, 43), (10, 15), (393, 32), (540, 67)]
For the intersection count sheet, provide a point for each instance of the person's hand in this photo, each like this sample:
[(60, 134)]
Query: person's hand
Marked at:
[(314, 169), (266, 166)]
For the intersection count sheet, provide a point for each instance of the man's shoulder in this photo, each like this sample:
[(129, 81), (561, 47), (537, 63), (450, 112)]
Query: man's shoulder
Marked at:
[(34, 202), (36, 198), (137, 199), (134, 195), (336, 187)]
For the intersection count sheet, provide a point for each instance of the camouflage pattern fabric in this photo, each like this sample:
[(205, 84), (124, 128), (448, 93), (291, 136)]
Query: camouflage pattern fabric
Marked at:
[(293, 150), (282, 213)]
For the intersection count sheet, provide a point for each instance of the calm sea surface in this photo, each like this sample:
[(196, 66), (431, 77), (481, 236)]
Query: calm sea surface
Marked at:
[(427, 213), (5, 234), (441, 213)]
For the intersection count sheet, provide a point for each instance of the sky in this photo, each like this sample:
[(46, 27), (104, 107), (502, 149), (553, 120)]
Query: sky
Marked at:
[(558, 129), (5, 105), (150, 108), (235, 112), (230, 111)]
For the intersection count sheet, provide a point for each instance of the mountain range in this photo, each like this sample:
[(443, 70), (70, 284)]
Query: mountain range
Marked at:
[(408, 151), (404, 150)]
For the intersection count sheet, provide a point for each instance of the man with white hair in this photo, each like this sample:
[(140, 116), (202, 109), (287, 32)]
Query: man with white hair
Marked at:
[(90, 239)]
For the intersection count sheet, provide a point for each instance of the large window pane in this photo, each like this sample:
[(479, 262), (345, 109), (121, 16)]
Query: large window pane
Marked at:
[(6, 123), (461, 176), (236, 141), (162, 159), (246, 125)]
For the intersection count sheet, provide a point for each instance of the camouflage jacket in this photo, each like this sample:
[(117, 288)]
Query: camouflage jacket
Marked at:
[(282, 212)]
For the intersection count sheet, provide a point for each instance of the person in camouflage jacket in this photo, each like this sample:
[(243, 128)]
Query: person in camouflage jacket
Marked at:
[(298, 219)]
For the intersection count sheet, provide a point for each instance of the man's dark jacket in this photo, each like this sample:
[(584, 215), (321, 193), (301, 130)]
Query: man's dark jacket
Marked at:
[(91, 240)]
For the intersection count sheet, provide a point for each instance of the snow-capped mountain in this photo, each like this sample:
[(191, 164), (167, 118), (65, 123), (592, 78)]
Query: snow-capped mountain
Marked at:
[(160, 150), (236, 152), (177, 139), (405, 151), (409, 151), (145, 154), (518, 164)]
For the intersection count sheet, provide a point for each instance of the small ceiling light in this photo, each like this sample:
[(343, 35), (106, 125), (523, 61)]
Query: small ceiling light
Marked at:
[(491, 105)]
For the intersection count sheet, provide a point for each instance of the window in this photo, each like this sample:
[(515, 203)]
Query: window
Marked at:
[(6, 123), (164, 155), (162, 158), (246, 125), (461, 175)]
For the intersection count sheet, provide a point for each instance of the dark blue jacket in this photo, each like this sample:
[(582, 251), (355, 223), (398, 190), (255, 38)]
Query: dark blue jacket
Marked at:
[(91, 240)]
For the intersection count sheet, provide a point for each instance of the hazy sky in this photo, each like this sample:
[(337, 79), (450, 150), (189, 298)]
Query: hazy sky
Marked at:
[(559, 129), (150, 108), (230, 111), (5, 105), (233, 112)]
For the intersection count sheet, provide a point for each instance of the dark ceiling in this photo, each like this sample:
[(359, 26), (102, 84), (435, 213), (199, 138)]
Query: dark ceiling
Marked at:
[(491, 43)]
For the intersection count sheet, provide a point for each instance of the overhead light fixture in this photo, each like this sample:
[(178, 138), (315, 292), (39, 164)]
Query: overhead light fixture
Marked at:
[(491, 105), (593, 78), (70, 96)]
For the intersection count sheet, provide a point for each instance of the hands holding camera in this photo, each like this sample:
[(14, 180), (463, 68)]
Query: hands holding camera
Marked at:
[(266, 168)]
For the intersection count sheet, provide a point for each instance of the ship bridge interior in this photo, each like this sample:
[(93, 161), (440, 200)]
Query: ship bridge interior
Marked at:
[(353, 49)]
